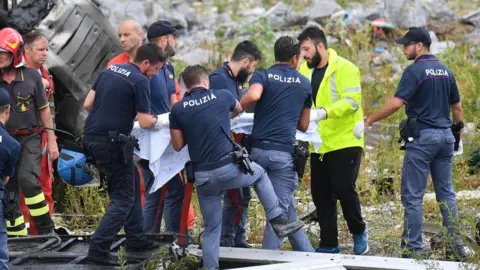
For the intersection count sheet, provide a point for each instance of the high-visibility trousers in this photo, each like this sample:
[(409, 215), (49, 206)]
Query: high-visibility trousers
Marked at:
[(45, 180), (26, 179)]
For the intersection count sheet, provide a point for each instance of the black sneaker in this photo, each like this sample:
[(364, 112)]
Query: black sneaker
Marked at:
[(244, 245), (460, 254), (282, 227), (142, 246)]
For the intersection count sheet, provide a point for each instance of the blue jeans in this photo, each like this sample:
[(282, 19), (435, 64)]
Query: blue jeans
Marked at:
[(172, 204), (210, 188), (279, 167), (124, 209), (234, 234), (3, 234), (431, 152)]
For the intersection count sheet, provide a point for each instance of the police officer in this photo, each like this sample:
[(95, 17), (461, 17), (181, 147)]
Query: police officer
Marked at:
[(232, 76), (163, 96), (283, 98), (121, 93), (30, 118), (9, 153), (429, 90), (202, 121)]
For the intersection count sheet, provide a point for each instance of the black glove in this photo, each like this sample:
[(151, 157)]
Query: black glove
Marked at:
[(456, 130)]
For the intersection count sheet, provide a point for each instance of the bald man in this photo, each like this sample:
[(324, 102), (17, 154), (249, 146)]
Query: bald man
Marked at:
[(130, 35)]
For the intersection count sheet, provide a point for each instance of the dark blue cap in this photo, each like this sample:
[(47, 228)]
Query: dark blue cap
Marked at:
[(160, 28), (4, 97), (415, 34)]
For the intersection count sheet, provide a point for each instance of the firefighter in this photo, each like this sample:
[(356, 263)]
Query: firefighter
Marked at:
[(107, 140), (29, 104), (232, 76), (36, 50), (283, 99), (334, 167), (202, 121), (9, 153)]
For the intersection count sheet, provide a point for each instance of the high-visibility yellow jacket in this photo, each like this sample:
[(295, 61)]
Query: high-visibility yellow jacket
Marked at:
[(340, 94)]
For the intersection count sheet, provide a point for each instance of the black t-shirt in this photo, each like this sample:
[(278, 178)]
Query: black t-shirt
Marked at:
[(317, 77)]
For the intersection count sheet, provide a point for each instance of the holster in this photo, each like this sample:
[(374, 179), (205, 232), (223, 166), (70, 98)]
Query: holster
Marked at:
[(300, 157), (242, 160), (408, 131), (125, 144), (246, 142), (190, 170)]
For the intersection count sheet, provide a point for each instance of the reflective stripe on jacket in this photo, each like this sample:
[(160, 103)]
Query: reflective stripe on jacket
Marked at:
[(340, 94)]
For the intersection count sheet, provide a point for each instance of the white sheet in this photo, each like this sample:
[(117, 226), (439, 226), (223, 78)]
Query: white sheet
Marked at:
[(165, 162)]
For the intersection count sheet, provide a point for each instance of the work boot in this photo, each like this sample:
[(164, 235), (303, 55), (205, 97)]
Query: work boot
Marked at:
[(282, 227), (142, 246), (106, 260)]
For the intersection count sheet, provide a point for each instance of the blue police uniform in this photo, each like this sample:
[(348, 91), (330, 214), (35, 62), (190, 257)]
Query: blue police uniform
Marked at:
[(428, 88), (162, 88), (235, 205), (201, 116), (285, 93), (9, 154), (121, 92)]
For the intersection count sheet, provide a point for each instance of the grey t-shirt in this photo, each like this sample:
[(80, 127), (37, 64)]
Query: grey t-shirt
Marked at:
[(27, 96)]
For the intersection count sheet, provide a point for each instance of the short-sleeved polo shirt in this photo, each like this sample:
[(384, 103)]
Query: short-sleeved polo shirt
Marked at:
[(428, 89), (201, 115), (27, 95), (121, 92), (285, 93)]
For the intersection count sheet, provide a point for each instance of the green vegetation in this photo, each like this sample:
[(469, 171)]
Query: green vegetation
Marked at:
[(386, 159)]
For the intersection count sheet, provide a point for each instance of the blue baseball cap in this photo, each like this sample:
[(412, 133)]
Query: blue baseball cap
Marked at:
[(415, 34), (4, 97), (160, 28)]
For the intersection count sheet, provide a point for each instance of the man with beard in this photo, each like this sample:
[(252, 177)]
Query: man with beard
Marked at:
[(163, 96), (335, 165), (428, 89), (36, 50), (231, 76), (130, 35)]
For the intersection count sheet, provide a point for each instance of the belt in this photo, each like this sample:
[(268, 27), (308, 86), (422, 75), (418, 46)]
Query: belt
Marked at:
[(214, 165), (266, 145), (97, 138), (26, 131)]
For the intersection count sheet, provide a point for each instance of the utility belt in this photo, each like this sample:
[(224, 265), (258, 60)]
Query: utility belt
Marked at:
[(299, 152), (409, 130), (123, 142), (26, 131)]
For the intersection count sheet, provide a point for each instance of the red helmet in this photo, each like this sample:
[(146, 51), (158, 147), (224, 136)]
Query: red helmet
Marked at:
[(11, 41)]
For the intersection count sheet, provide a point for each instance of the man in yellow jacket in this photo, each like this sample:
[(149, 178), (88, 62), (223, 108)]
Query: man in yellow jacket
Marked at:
[(336, 94)]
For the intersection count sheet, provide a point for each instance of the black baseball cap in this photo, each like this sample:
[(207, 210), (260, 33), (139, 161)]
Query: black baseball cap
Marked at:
[(415, 34), (160, 28), (4, 97)]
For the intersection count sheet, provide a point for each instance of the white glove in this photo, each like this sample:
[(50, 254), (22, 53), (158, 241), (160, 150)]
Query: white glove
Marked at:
[(161, 123), (460, 149), (358, 130), (318, 114)]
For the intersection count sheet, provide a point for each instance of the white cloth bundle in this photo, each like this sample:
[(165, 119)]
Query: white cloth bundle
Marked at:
[(165, 162)]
